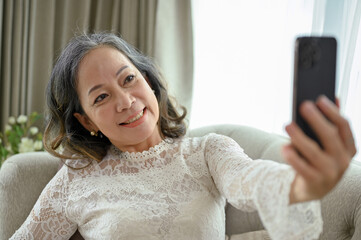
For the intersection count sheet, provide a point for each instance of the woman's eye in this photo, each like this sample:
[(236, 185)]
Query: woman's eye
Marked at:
[(129, 78), (100, 98)]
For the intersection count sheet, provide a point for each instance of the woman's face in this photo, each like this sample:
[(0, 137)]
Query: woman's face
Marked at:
[(117, 100)]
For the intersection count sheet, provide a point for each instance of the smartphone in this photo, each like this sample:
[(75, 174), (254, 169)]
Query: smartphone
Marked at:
[(314, 74)]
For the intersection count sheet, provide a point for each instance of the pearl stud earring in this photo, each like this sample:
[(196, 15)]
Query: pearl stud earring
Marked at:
[(93, 133)]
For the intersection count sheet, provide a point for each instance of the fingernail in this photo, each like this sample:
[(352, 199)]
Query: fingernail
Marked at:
[(308, 106), (323, 99), (289, 128)]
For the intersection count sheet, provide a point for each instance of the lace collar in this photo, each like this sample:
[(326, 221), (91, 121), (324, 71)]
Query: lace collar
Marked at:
[(156, 150)]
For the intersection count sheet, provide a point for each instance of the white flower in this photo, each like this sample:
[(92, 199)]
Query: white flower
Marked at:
[(8, 147), (1, 141), (38, 145), (7, 128), (22, 119), (12, 120), (34, 130), (26, 145)]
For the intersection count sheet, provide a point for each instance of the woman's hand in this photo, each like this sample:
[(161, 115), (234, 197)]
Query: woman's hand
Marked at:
[(319, 170)]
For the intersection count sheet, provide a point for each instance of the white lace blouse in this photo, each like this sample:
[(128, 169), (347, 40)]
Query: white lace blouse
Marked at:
[(175, 190)]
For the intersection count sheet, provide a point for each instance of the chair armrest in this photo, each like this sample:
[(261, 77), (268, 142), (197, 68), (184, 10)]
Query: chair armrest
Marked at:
[(22, 178), (341, 208)]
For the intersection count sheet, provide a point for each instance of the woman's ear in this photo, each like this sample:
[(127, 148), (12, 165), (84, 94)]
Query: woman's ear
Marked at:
[(85, 122)]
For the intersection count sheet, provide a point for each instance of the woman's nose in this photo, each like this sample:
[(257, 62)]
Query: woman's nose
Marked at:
[(124, 101)]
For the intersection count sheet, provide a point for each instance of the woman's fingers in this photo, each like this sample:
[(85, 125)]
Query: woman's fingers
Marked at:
[(333, 132), (319, 168), (327, 132), (331, 111), (299, 164), (310, 150)]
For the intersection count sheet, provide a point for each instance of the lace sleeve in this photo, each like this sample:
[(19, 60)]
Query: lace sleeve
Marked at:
[(47, 219), (264, 186)]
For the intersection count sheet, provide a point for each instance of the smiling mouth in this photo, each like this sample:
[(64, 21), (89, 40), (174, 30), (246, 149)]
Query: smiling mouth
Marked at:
[(137, 117)]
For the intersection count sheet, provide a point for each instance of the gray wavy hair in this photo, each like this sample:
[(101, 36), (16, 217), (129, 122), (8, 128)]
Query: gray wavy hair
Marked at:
[(63, 129)]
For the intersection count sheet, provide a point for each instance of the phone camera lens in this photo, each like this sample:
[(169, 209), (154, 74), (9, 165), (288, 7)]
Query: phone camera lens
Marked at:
[(310, 54)]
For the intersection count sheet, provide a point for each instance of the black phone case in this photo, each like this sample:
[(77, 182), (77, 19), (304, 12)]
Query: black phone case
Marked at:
[(314, 74)]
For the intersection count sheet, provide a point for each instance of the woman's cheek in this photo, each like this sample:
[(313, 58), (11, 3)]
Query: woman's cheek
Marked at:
[(102, 114)]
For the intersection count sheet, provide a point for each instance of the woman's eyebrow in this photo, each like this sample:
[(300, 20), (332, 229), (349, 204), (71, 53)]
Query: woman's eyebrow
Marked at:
[(95, 88), (100, 85), (120, 70)]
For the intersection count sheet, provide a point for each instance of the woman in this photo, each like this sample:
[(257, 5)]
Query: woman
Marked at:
[(131, 174)]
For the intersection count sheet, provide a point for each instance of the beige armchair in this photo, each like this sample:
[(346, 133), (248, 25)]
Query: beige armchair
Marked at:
[(23, 176)]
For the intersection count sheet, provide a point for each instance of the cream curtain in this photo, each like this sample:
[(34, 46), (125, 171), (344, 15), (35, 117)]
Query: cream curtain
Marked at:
[(174, 48), (33, 32)]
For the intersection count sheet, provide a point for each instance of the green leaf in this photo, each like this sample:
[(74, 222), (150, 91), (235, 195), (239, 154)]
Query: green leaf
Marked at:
[(19, 131), (3, 153)]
